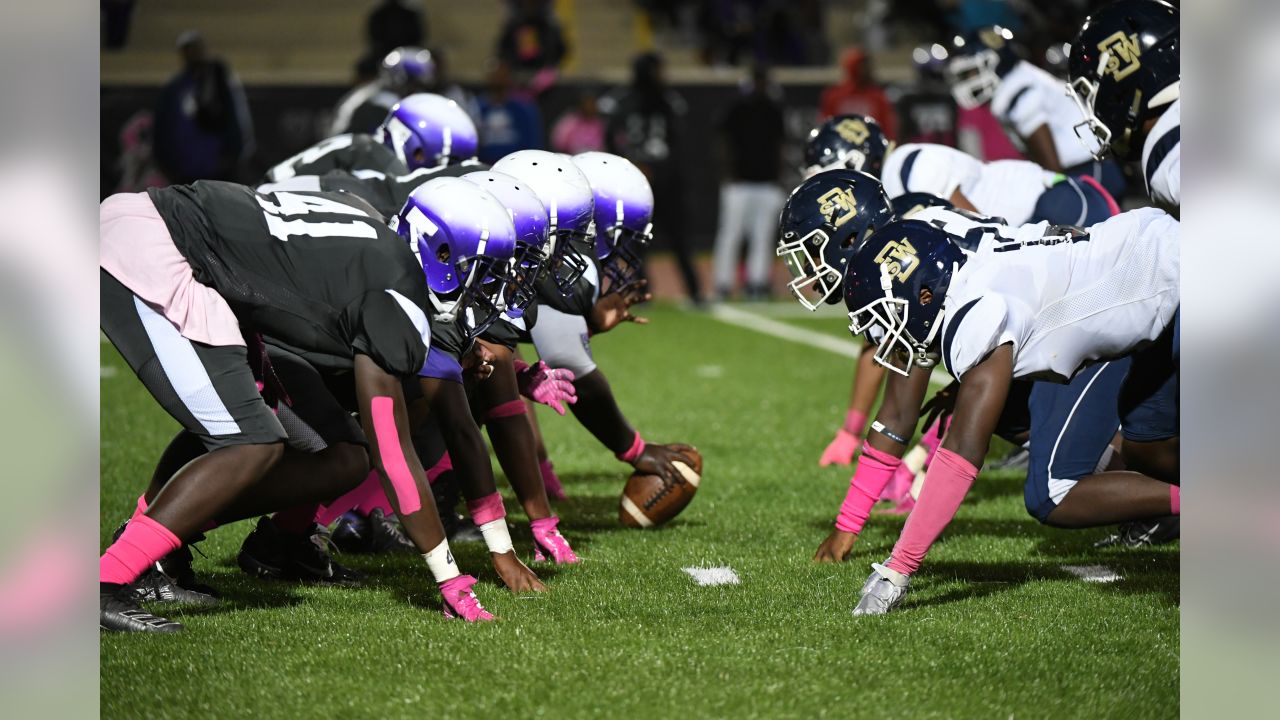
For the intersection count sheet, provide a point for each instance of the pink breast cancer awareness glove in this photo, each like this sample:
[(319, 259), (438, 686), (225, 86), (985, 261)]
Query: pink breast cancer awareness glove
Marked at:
[(546, 386), (841, 450)]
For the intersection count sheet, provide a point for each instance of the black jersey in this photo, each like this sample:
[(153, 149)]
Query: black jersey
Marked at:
[(582, 296), (386, 193), (340, 152), (316, 271)]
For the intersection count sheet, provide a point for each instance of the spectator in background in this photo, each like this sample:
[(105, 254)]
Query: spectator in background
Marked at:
[(645, 124), (137, 165), (752, 134), (579, 129), (858, 94), (445, 86), (532, 39), (393, 24), (202, 124), (508, 122)]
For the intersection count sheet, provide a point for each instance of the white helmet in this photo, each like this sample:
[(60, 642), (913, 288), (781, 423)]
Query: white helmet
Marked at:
[(623, 212), (565, 192)]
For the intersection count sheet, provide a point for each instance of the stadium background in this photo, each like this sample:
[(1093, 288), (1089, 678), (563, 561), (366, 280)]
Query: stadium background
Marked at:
[(296, 58)]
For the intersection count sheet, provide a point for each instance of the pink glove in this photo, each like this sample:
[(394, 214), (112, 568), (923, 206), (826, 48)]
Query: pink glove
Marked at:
[(546, 386), (841, 450)]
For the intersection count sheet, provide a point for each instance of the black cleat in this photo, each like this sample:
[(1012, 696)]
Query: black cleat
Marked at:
[(176, 566), (154, 586), (119, 612), (1144, 532), (351, 533), (386, 535), (269, 553)]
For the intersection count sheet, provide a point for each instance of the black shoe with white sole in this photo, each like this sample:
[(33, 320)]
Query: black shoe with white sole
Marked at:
[(1144, 532), (271, 553), (120, 612)]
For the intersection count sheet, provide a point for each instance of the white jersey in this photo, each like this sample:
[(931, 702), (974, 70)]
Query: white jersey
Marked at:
[(1064, 301), (1005, 188), (1162, 158), (972, 229), (1029, 97)]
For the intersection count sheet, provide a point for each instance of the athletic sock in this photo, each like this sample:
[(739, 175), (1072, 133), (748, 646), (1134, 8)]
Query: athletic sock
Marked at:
[(1175, 500), (143, 542), (855, 421), (948, 481)]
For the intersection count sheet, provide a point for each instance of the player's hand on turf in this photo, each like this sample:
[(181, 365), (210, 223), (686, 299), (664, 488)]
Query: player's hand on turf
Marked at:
[(516, 575), (614, 308), (836, 548), (656, 460), (543, 384), (479, 362)]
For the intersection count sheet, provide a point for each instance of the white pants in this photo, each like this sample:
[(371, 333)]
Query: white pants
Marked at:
[(562, 341), (747, 207)]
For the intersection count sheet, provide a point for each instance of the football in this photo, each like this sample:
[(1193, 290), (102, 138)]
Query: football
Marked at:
[(649, 501)]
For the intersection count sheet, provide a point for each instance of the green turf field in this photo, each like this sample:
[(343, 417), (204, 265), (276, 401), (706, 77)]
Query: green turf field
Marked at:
[(993, 627)]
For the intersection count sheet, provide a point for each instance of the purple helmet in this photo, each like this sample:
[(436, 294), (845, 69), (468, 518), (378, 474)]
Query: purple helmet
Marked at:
[(465, 240), (409, 65), (427, 130), (565, 192), (623, 212), (533, 242)]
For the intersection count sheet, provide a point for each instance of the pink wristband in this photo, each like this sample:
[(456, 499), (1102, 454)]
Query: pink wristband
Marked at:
[(520, 365), (875, 470), (486, 509), (633, 452)]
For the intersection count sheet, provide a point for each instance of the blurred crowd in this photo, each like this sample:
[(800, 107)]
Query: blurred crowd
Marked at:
[(201, 127)]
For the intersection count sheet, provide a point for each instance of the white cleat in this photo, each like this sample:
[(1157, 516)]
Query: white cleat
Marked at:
[(882, 592)]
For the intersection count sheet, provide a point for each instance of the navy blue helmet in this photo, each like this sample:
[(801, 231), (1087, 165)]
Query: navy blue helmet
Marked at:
[(894, 288), (978, 60), (855, 142), (824, 221), (1125, 70)]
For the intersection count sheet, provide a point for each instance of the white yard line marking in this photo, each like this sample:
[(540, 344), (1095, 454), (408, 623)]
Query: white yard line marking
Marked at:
[(106, 371), (789, 310), (709, 577), (1093, 573), (810, 338), (711, 372)]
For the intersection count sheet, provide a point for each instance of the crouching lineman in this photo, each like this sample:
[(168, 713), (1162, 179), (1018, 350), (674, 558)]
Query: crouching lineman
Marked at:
[(1007, 311), (189, 271)]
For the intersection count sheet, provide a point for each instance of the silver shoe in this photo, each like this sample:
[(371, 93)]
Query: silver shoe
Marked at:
[(880, 594)]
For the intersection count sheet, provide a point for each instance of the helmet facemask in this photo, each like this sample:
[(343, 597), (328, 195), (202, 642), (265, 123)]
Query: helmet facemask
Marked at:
[(481, 295), (528, 265), (623, 264), (814, 282), (973, 78), (1084, 91), (884, 322), (566, 265)]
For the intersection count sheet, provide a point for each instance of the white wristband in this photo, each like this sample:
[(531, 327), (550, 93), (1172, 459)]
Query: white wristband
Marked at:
[(496, 536)]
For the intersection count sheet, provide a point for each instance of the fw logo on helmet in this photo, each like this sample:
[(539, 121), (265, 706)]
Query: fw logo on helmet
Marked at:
[(853, 131), (899, 258), (1120, 54), (838, 200)]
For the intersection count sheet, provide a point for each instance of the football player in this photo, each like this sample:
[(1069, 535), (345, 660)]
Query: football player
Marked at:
[(189, 271), (985, 68), (1125, 78), (1018, 307), (420, 131), (572, 304), (1018, 191), (404, 71)]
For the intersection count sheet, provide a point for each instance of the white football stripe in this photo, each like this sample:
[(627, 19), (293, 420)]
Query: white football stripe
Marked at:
[(690, 476), (1093, 573), (635, 513), (710, 577)]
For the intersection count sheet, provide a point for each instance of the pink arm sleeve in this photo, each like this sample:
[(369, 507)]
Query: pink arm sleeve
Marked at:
[(875, 470), (948, 481), (392, 455)]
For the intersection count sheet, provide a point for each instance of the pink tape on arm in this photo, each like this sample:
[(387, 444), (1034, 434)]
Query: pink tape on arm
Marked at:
[(393, 462), (948, 481), (508, 409), (1175, 500), (486, 509), (633, 452), (875, 470)]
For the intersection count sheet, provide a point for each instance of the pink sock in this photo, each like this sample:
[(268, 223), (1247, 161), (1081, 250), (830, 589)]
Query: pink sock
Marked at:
[(855, 421), (296, 520), (486, 509), (351, 500), (945, 486), (550, 480), (875, 469), (1175, 500), (932, 438), (141, 509), (442, 466), (143, 542)]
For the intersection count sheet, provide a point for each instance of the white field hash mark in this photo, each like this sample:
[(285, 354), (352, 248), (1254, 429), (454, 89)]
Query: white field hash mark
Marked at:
[(708, 577), (1093, 573)]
